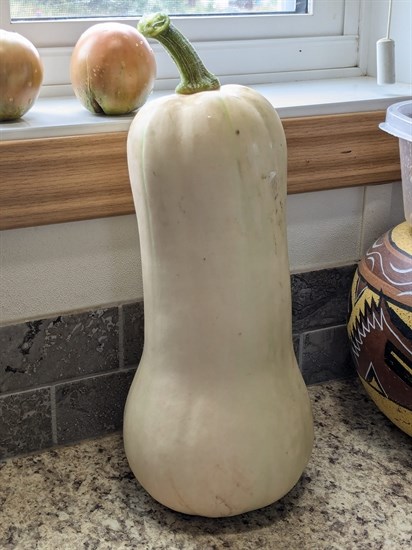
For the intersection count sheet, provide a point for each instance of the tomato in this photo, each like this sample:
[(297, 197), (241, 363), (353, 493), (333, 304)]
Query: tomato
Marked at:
[(21, 75), (112, 69)]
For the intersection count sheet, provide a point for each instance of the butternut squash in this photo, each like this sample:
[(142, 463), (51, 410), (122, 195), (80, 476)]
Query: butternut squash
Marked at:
[(217, 420)]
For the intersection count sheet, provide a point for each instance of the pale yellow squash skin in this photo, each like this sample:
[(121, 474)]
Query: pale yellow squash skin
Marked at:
[(218, 419)]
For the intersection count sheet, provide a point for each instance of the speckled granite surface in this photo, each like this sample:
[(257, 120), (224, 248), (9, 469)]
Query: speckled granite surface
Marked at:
[(356, 493)]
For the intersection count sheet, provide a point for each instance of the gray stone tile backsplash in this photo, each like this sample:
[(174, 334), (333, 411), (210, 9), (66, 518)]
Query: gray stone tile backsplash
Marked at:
[(320, 298), (65, 379), (25, 422), (133, 335), (325, 355), (68, 346), (91, 407)]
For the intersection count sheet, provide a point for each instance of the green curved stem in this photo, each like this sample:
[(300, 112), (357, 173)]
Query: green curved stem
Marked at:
[(194, 77)]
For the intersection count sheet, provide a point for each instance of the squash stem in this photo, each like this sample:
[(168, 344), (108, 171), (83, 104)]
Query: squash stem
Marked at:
[(194, 77)]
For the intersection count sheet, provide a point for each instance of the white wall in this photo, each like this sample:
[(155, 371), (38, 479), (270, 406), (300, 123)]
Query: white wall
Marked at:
[(60, 268), (376, 13)]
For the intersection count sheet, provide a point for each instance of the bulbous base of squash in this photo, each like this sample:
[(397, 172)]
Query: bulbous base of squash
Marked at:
[(216, 505), (215, 449)]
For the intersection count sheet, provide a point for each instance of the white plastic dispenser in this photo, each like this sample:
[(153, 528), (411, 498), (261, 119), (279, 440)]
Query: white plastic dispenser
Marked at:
[(399, 123)]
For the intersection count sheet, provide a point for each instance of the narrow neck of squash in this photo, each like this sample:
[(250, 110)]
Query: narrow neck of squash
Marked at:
[(194, 77)]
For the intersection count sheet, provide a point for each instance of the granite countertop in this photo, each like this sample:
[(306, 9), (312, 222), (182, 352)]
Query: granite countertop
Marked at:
[(354, 494)]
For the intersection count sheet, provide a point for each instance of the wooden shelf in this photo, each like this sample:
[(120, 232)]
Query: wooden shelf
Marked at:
[(54, 180)]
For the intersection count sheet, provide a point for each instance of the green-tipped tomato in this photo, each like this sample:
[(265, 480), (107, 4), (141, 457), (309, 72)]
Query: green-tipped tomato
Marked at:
[(21, 75), (112, 69)]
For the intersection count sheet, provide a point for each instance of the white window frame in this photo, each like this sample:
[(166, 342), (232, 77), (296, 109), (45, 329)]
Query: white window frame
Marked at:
[(247, 49), (325, 18)]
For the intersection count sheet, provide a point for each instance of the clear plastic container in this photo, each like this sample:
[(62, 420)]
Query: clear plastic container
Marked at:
[(398, 122)]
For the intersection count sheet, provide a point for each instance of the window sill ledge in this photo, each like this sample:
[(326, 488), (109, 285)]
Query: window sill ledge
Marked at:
[(65, 116), (61, 163)]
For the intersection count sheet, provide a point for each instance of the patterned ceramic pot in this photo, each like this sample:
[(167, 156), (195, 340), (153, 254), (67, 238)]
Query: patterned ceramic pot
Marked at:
[(380, 324)]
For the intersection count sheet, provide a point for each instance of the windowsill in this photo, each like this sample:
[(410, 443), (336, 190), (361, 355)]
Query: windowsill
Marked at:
[(65, 116), (62, 163)]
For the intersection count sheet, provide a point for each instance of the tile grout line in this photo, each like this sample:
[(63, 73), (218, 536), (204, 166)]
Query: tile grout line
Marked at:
[(53, 408), (121, 336), (300, 358), (55, 384), (67, 313), (325, 328)]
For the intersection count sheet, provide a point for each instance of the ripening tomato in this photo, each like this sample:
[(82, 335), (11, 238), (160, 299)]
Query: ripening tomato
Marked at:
[(21, 75), (112, 69)]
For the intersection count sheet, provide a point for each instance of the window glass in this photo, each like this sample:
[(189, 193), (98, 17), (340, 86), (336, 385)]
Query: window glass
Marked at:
[(247, 41), (72, 9)]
